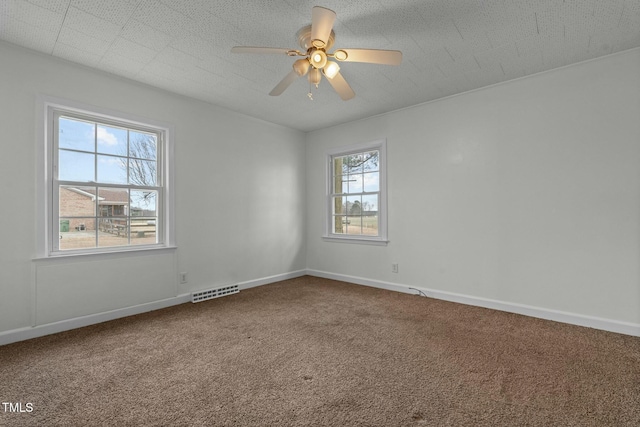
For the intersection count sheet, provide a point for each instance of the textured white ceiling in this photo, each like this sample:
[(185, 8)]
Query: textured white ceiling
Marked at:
[(449, 46)]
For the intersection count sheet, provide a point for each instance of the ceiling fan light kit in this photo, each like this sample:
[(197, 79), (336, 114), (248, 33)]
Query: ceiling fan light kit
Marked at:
[(318, 58), (314, 76), (315, 40), (301, 67), (331, 69)]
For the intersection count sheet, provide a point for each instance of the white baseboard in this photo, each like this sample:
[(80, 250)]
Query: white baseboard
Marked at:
[(626, 328), (538, 312), (29, 332), (271, 279)]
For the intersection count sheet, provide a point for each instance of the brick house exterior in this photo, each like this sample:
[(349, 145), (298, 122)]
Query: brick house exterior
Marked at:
[(74, 202), (78, 202)]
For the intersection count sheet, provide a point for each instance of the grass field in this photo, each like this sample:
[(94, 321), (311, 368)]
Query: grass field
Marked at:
[(357, 225), (87, 239)]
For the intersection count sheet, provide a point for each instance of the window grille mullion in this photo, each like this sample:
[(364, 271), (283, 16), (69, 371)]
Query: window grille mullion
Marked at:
[(96, 214)]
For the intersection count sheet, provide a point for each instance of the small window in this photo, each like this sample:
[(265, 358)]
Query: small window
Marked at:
[(107, 182), (356, 194)]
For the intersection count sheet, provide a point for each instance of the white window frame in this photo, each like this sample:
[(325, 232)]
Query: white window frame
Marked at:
[(381, 239), (47, 226)]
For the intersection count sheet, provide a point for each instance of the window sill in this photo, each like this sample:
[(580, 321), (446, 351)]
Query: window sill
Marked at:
[(106, 254), (356, 240)]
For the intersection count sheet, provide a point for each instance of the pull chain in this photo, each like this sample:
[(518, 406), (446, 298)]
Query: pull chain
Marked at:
[(310, 95)]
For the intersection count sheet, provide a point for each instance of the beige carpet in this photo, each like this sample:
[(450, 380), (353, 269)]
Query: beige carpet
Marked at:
[(315, 352)]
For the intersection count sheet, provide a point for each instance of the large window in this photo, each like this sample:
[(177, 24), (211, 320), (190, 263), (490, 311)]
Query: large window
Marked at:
[(356, 194), (107, 182)]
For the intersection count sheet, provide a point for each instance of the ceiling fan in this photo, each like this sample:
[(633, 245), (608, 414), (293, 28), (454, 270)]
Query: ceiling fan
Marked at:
[(315, 40)]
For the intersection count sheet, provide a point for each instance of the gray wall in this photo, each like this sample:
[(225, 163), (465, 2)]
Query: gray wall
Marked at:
[(239, 197), (525, 193)]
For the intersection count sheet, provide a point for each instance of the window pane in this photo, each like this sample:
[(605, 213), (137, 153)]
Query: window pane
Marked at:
[(370, 215), (143, 231), (73, 166), (370, 204), (77, 233), (370, 225), (77, 201), (142, 172), (76, 134), (354, 205), (113, 232), (143, 203), (144, 217), (72, 225), (339, 205), (354, 225), (113, 202), (352, 163), (339, 224), (371, 181), (354, 183), (371, 161), (143, 145), (112, 140), (339, 184), (112, 170)]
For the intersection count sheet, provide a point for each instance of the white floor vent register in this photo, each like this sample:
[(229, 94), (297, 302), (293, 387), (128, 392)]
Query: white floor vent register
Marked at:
[(214, 293)]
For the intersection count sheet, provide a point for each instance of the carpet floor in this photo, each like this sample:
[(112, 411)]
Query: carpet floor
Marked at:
[(317, 352)]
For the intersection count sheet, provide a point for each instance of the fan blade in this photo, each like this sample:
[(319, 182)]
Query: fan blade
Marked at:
[(342, 87), (322, 20), (372, 56), (251, 49), (284, 83)]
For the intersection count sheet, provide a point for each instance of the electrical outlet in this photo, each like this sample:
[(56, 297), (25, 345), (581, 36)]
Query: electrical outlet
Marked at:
[(394, 267), (183, 277)]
